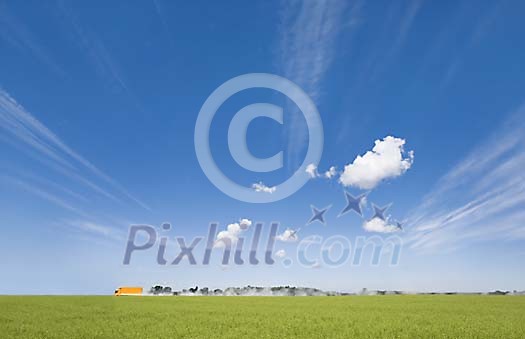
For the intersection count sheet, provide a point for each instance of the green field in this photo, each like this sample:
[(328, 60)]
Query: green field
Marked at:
[(263, 317)]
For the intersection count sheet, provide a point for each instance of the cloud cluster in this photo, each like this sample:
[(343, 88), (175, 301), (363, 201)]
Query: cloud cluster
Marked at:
[(231, 235), (311, 169), (386, 160), (260, 187), (380, 226)]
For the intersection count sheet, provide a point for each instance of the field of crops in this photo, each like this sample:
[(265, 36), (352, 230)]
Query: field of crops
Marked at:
[(263, 317)]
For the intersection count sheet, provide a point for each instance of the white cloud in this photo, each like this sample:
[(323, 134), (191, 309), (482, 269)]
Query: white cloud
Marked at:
[(380, 226), (280, 253), (385, 160), (311, 169), (260, 187), (244, 224), (231, 235), (289, 235), (330, 173)]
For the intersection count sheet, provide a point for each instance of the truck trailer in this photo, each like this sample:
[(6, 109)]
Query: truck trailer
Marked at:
[(128, 291)]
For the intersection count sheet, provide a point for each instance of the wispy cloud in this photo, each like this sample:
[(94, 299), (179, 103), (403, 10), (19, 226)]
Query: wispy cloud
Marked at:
[(308, 46), (46, 183), (484, 22), (308, 40), (95, 229), (481, 198), (93, 49), (21, 128), (44, 194), (18, 34), (375, 60), (98, 56), (159, 8), (399, 21)]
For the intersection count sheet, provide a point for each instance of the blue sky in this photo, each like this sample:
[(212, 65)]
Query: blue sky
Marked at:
[(98, 105)]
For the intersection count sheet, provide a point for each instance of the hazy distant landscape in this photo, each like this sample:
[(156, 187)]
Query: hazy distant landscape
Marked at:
[(293, 291)]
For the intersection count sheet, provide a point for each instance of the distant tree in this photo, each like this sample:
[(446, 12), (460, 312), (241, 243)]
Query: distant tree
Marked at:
[(166, 290), (157, 289), (498, 292)]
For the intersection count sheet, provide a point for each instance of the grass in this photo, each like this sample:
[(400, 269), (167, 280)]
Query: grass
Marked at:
[(263, 317)]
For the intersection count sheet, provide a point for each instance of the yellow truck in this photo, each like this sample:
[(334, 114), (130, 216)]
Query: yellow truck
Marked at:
[(128, 291)]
